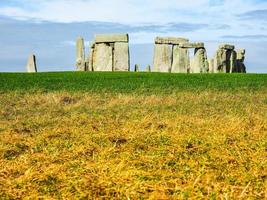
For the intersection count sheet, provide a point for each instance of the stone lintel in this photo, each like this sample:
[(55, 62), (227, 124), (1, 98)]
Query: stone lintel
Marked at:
[(111, 38), (170, 40), (196, 45), (227, 46)]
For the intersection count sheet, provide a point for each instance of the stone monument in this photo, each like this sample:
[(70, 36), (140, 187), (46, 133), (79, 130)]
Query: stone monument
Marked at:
[(109, 53), (80, 55), (240, 66), (171, 55), (31, 64), (227, 60)]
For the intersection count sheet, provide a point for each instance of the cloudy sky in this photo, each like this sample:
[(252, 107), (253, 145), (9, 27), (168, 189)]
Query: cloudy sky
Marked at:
[(48, 28)]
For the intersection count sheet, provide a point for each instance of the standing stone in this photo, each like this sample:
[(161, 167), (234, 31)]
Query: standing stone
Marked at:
[(80, 56), (90, 65), (121, 56), (136, 68), (241, 55), (181, 60), (232, 61), (211, 66), (103, 57), (220, 61), (162, 58), (31, 65), (148, 68), (240, 66), (229, 55), (200, 61)]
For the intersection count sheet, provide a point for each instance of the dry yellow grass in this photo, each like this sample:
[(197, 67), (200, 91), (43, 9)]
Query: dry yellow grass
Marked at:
[(59, 145)]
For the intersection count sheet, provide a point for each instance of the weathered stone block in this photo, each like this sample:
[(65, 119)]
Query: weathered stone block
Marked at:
[(241, 54), (111, 38), (31, 65), (200, 61), (121, 56), (232, 61), (181, 60), (103, 57), (227, 46), (162, 58), (80, 55), (170, 40), (211, 66), (240, 66), (220, 61), (90, 66), (192, 45)]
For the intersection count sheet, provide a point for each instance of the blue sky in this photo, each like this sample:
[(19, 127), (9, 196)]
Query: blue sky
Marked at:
[(49, 28)]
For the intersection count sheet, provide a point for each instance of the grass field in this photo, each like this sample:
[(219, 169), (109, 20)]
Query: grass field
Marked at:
[(133, 136)]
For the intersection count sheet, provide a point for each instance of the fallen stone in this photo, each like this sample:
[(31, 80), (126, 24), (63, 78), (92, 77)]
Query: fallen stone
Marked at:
[(170, 40), (111, 38), (103, 57), (31, 65), (80, 56), (121, 56), (162, 58), (192, 45), (181, 60), (227, 46)]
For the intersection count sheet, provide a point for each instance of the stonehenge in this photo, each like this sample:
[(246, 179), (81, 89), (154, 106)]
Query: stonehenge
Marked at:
[(110, 52), (31, 64), (172, 55), (227, 60)]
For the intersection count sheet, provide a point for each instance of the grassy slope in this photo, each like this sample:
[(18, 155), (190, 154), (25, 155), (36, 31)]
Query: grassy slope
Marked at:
[(126, 135)]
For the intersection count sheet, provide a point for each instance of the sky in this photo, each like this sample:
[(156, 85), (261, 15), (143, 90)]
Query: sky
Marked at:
[(49, 28)]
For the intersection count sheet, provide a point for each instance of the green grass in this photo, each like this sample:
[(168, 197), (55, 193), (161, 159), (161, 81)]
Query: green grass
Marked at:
[(129, 82)]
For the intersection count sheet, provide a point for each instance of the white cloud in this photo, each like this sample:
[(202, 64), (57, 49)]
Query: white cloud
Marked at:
[(137, 11), (129, 11), (222, 13)]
